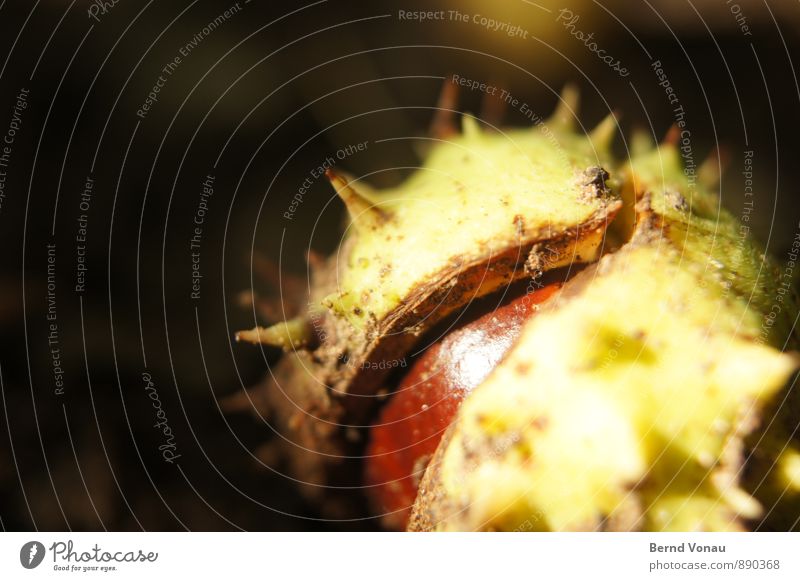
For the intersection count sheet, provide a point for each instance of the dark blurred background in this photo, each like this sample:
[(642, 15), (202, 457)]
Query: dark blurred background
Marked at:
[(260, 97)]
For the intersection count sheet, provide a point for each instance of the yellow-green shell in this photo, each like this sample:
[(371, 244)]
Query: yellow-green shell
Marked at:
[(626, 402)]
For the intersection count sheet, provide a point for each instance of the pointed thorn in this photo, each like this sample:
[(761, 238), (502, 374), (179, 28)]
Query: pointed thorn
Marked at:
[(740, 501), (267, 270), (443, 125), (566, 112), (672, 136), (270, 310), (287, 335), (711, 170), (603, 135), (271, 453), (493, 108), (364, 214), (314, 260), (246, 298), (470, 127), (250, 400), (789, 463), (642, 142)]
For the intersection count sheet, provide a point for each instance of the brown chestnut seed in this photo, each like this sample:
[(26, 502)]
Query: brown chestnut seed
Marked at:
[(410, 426)]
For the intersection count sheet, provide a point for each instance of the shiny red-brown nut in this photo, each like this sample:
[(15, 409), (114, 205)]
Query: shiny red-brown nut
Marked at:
[(411, 424)]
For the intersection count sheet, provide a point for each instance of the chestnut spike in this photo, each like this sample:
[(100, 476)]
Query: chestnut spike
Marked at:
[(364, 213), (493, 107), (288, 335), (642, 142), (789, 465), (603, 135), (246, 400), (566, 111), (267, 309), (672, 136), (270, 453), (443, 125), (710, 171), (470, 127), (267, 269), (314, 260), (739, 500)]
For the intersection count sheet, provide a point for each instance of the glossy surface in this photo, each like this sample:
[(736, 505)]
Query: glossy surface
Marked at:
[(412, 423)]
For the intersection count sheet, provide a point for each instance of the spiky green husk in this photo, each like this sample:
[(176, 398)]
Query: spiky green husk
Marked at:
[(448, 215), (625, 405)]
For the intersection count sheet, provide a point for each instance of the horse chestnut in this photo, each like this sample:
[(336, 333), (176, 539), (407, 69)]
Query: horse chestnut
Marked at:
[(411, 424), (625, 406)]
